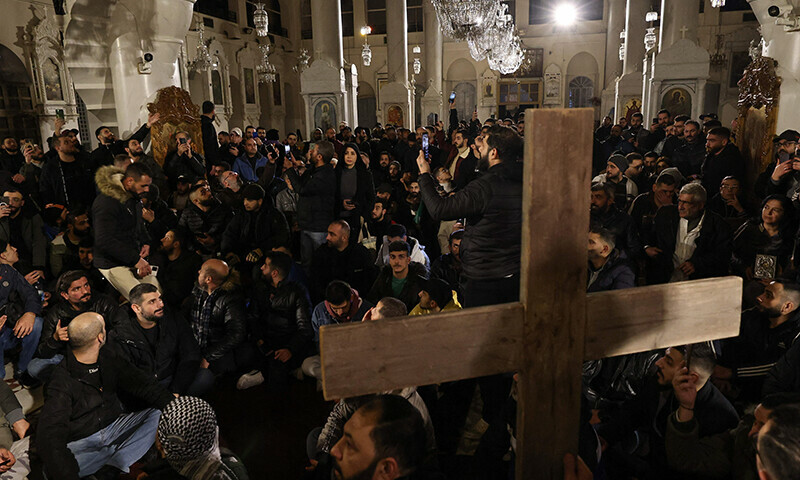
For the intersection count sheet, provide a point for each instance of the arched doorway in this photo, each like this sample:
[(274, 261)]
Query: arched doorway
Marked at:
[(580, 92), (466, 99), (582, 76), (367, 105), (17, 116), (462, 79)]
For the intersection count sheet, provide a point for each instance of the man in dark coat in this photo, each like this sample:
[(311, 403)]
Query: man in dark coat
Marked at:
[(609, 268), (401, 278), (206, 217), (339, 259), (210, 140), (121, 239), (108, 145), (688, 241), (723, 159), (177, 267), (256, 230), (605, 214)]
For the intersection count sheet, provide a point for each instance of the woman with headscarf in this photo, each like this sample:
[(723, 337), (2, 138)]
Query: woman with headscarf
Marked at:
[(355, 193)]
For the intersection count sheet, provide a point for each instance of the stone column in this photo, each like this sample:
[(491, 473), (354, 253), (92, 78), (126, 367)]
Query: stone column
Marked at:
[(432, 100), (679, 20), (613, 65), (397, 92), (326, 26), (634, 35), (162, 27)]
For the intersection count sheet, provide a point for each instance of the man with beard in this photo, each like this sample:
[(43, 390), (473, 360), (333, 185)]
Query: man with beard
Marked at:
[(291, 140), (385, 438), (448, 266), (648, 412), (69, 178), (210, 146), (255, 230), (625, 188), (645, 206), (462, 162), (205, 217), (74, 296), (688, 156), (339, 259), (109, 145), (604, 213), (11, 160), (64, 248), (672, 142), (184, 161), (250, 162), (177, 264), (362, 140), (150, 337), (135, 152), (723, 159), (22, 228), (121, 239), (380, 169), (380, 219), (767, 332), (232, 193), (338, 147), (31, 170)]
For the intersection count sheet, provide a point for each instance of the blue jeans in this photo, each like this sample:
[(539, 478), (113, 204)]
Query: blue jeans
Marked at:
[(120, 444), (309, 242), (38, 365), (29, 343)]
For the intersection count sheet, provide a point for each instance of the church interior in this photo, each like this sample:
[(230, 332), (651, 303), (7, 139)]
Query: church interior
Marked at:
[(348, 239)]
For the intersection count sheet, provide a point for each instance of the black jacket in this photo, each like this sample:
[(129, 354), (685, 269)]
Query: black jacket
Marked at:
[(75, 409), (757, 349), (353, 265), (62, 311), (415, 282), (281, 316), (711, 257), (177, 277), (263, 229), (365, 191), (448, 268), (615, 274), (317, 190), (718, 166), (104, 154), (210, 141), (622, 226), (175, 356), (784, 376), (119, 231), (32, 235), (689, 158), (192, 168), (226, 330), (751, 240), (492, 205), (79, 188), (212, 222)]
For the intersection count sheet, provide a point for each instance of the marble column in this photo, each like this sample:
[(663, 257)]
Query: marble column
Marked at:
[(432, 100), (630, 83), (397, 92), (613, 65), (326, 27), (679, 19)]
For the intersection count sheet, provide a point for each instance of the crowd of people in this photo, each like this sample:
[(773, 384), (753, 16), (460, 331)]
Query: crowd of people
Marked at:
[(131, 289)]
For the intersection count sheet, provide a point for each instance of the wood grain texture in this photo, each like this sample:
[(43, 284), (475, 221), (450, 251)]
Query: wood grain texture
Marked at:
[(558, 157), (659, 316), (380, 356)]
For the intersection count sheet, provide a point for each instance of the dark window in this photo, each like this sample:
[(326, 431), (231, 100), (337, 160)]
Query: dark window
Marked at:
[(348, 26), (376, 16), (305, 19), (213, 8), (735, 5), (414, 9), (541, 11)]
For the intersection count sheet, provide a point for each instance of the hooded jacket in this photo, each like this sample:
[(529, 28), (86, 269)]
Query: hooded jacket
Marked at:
[(417, 253), (119, 231), (492, 205), (615, 274)]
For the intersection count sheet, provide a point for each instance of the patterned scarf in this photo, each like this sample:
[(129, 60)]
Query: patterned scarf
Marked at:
[(202, 307)]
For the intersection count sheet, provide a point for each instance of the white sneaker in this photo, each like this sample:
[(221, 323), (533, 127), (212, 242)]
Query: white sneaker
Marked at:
[(251, 379)]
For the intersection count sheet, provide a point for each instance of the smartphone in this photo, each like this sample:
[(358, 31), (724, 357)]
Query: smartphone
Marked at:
[(688, 356), (60, 113), (3, 201), (287, 150), (452, 96), (655, 120), (255, 134), (425, 146), (182, 140), (154, 269)]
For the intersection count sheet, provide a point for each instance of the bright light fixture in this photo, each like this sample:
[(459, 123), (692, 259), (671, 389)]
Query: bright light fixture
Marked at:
[(565, 14), (366, 30)]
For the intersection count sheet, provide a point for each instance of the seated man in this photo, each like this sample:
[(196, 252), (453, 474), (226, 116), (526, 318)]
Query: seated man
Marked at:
[(215, 312), (778, 443), (605, 214), (387, 307), (341, 305), (625, 189), (766, 333), (730, 202), (436, 296), (279, 323), (184, 161), (206, 218), (400, 278), (255, 230), (609, 268), (23, 226), (73, 296), (177, 265), (645, 416), (20, 310), (722, 455), (339, 259), (64, 248), (645, 206), (384, 438), (147, 335), (688, 242), (448, 266), (397, 233), (82, 428), (14, 461)]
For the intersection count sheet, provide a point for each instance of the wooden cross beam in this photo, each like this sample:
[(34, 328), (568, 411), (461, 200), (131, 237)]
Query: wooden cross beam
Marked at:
[(554, 328)]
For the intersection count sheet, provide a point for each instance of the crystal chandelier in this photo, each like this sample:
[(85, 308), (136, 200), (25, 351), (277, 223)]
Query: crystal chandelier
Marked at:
[(650, 38), (266, 71), (497, 36), (417, 66), (717, 3), (261, 20), (302, 61), (202, 58), (465, 19), (366, 52), (509, 60)]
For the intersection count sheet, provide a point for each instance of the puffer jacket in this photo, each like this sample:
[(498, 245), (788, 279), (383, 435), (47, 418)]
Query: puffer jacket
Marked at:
[(63, 312), (492, 205), (76, 409), (212, 222), (317, 201), (119, 231), (615, 274), (176, 355), (281, 316), (226, 330), (263, 229)]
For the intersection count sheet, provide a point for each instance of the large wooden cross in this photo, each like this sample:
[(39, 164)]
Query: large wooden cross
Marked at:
[(554, 328)]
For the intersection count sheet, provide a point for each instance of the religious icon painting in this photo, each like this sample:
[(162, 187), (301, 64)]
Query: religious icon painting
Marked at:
[(678, 101)]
